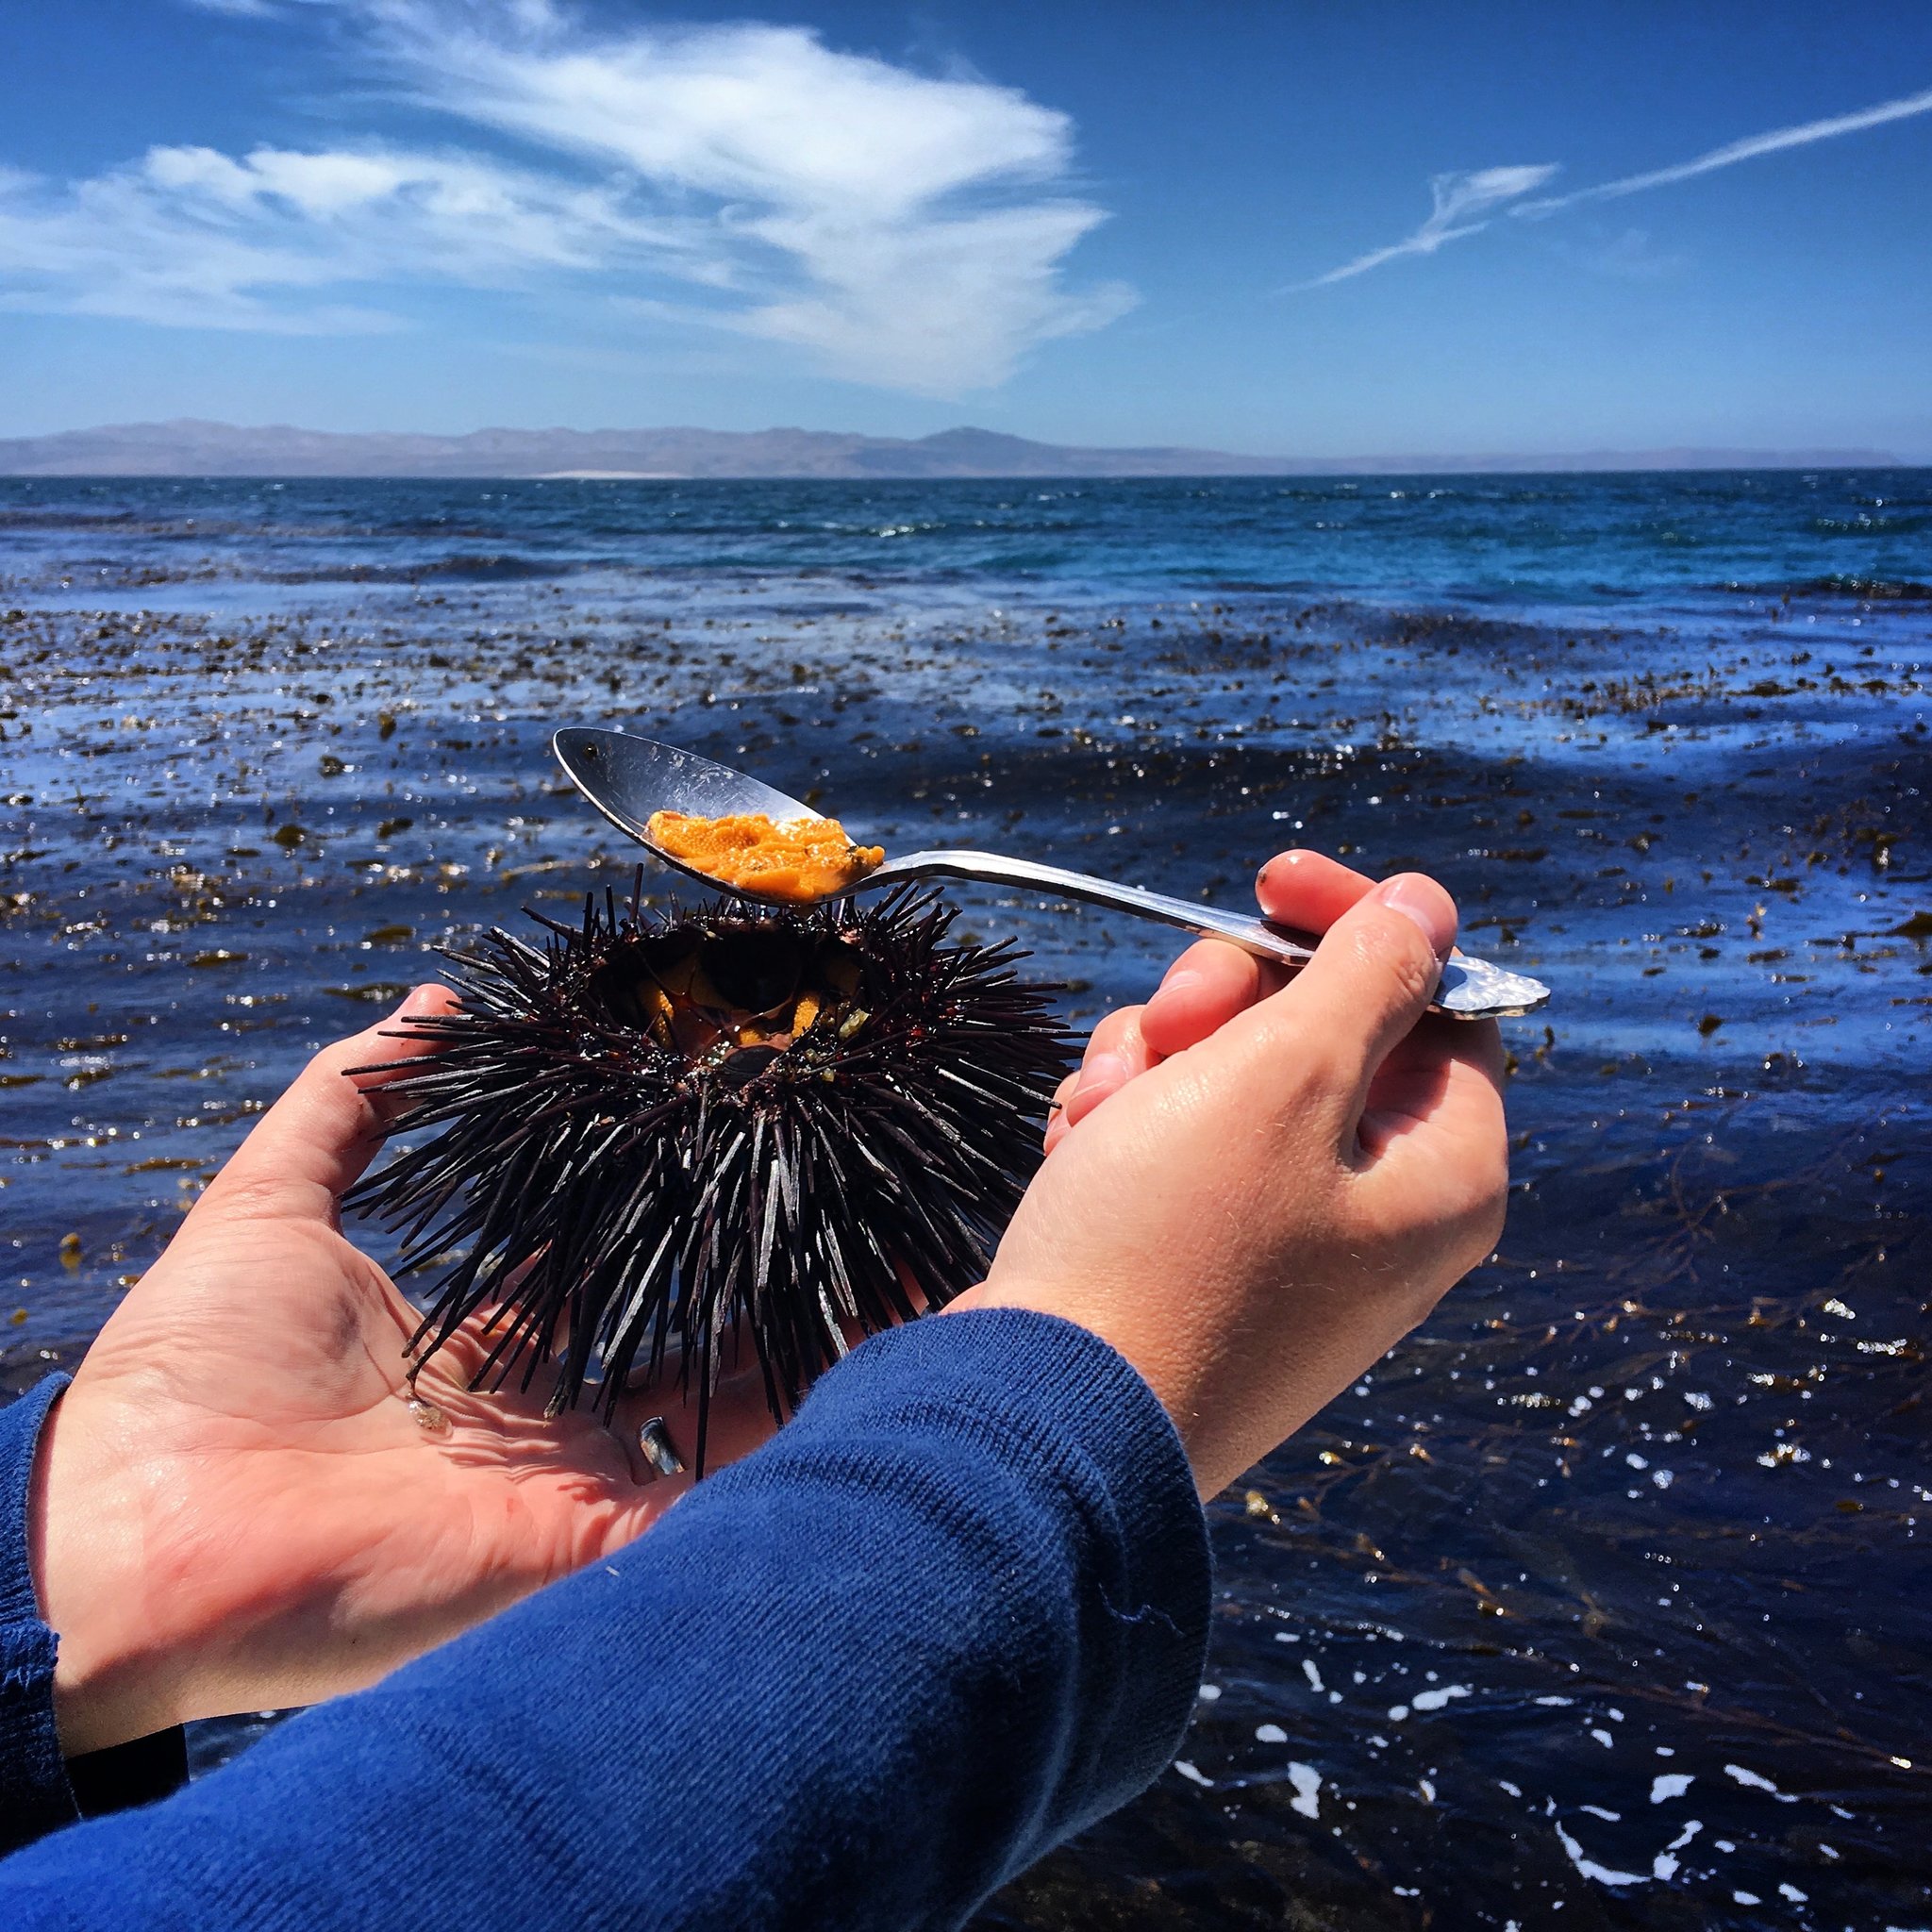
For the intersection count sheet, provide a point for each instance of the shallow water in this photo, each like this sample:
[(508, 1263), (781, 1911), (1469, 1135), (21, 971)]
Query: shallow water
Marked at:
[(1630, 1541)]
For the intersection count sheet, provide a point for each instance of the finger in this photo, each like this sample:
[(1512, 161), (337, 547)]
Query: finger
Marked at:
[(1437, 1039), (1369, 983), (1116, 1053), (1212, 981), (1057, 1126), (1435, 1129), (1480, 1042), (314, 1144), (399, 1051), (1307, 890), (1203, 990), (1117, 1037), (1408, 1091)]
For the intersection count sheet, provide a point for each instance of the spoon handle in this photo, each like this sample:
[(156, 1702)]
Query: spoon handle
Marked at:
[(1469, 988)]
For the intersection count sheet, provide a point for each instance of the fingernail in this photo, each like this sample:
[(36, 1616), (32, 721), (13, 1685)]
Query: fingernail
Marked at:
[(1423, 900), (1182, 980), (1282, 861)]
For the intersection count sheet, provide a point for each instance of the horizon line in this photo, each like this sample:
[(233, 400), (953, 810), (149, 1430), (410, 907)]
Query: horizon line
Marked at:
[(144, 452)]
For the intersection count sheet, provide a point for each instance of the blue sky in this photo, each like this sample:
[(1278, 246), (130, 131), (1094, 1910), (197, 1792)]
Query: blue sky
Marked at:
[(1281, 226)]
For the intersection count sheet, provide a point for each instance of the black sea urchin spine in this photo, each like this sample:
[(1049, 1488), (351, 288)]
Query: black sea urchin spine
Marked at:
[(662, 1133)]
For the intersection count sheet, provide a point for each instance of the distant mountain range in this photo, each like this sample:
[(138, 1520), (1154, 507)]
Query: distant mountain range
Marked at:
[(189, 449)]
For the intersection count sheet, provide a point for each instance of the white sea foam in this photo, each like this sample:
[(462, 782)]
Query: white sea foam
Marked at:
[(1591, 1868)]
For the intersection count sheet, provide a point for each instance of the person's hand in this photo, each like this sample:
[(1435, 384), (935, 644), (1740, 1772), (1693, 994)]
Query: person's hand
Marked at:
[(236, 1504), (1256, 1189)]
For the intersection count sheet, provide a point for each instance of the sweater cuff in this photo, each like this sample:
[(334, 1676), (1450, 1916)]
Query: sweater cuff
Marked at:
[(34, 1795)]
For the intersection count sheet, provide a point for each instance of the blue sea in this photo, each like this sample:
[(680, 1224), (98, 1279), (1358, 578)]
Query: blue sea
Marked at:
[(1605, 1595)]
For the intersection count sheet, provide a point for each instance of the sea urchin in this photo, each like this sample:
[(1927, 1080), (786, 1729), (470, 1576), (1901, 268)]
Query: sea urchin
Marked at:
[(664, 1132)]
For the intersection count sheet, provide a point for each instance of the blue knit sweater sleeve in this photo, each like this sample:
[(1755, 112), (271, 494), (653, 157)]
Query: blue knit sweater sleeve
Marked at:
[(34, 1795), (950, 1614)]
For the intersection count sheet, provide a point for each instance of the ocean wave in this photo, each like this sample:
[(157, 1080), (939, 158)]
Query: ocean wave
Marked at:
[(74, 519), (500, 569), (1866, 589)]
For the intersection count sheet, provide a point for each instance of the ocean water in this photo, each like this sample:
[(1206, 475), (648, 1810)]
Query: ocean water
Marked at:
[(1606, 1591)]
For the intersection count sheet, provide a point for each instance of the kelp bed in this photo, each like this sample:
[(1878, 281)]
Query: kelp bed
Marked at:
[(1601, 1603)]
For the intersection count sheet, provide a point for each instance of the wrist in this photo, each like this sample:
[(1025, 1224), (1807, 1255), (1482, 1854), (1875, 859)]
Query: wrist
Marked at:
[(86, 1550)]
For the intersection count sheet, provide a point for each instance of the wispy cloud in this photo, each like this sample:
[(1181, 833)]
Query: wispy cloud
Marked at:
[(191, 238), (869, 214), (1465, 203), (900, 229), (256, 9), (1630, 255), (1749, 149), (1459, 198)]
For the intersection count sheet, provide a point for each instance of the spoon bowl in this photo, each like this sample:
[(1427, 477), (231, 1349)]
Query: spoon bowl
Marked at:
[(629, 778)]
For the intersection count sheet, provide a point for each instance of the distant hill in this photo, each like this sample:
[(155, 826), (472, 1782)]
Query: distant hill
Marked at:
[(191, 448)]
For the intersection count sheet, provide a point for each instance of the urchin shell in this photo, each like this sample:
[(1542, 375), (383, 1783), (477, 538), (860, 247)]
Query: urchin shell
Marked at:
[(673, 1132)]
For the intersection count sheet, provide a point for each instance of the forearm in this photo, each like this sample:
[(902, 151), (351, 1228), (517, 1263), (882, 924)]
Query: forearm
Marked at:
[(953, 1612)]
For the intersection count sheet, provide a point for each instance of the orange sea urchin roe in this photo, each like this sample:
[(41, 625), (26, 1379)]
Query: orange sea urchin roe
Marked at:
[(809, 859)]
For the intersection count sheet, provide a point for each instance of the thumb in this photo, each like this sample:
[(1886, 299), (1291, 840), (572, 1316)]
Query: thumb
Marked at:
[(310, 1147), (1370, 980)]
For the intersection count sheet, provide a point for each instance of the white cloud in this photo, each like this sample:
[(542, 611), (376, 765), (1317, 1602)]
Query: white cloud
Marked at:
[(765, 112), (191, 238), (255, 9), (938, 305), (1749, 149), (1490, 192), (898, 228), (868, 214), (1457, 198)]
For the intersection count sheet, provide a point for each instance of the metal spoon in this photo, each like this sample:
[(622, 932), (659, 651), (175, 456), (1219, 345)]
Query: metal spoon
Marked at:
[(629, 778)]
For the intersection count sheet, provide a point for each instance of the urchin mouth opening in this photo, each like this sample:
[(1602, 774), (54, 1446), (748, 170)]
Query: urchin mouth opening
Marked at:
[(732, 999), (660, 1134)]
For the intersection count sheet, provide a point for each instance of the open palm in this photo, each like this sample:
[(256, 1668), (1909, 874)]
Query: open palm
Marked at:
[(242, 1506)]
